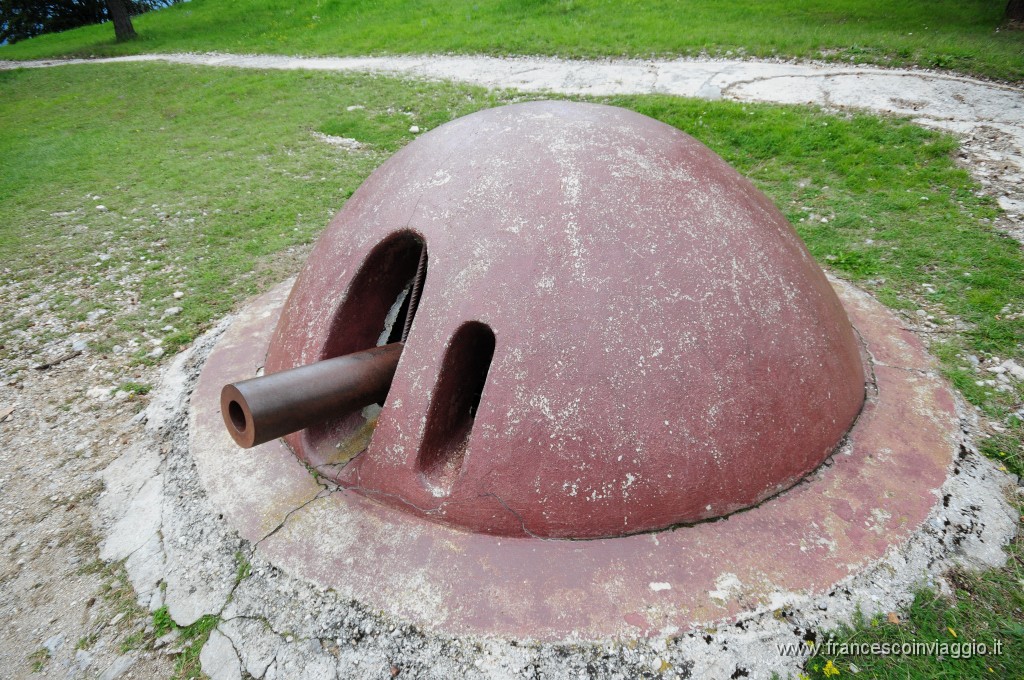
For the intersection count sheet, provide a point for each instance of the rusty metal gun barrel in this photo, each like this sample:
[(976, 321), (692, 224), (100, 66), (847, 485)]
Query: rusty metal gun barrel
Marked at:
[(265, 408)]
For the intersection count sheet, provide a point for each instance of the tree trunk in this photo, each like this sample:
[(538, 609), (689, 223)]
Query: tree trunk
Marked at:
[(123, 28), (1014, 11)]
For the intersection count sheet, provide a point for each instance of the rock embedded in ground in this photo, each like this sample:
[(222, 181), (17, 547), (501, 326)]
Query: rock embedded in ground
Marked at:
[(121, 665), (1013, 368)]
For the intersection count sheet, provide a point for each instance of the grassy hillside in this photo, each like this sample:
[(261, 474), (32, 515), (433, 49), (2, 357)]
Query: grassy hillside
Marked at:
[(961, 35)]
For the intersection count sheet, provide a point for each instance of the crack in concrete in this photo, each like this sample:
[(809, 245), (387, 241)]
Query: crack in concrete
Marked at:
[(440, 508), (871, 387), (374, 492), (522, 522), (234, 647), (322, 494), (143, 544)]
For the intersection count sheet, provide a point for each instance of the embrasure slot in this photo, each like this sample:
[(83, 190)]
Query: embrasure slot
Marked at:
[(454, 405)]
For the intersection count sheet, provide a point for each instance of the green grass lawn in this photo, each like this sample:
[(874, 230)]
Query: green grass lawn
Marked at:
[(961, 35), (215, 181), (987, 610)]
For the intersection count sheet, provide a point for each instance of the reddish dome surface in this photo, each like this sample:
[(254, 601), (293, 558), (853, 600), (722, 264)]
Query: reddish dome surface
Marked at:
[(615, 332)]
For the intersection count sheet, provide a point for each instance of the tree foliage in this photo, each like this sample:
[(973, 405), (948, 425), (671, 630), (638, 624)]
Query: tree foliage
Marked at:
[(20, 19)]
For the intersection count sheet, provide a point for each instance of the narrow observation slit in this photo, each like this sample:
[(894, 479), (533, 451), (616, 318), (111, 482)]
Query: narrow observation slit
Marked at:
[(454, 404), (237, 416)]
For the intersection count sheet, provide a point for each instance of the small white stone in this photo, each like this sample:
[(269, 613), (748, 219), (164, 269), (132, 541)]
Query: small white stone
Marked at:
[(98, 393), (414, 129), (101, 208), (178, 295), (1014, 369)]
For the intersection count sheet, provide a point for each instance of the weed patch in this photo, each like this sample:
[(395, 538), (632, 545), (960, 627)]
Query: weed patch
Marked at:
[(193, 637), (39, 659)]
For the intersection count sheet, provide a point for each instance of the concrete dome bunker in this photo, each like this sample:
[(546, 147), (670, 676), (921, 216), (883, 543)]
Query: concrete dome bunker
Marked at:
[(605, 330), (664, 348)]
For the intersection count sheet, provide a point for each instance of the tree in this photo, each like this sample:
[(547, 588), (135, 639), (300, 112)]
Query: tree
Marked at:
[(20, 19), (123, 28)]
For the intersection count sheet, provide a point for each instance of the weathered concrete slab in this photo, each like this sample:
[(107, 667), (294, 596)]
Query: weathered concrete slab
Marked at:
[(139, 521), (219, 659), (271, 480)]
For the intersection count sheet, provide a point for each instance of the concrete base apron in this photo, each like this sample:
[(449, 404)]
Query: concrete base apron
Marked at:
[(955, 104), (873, 494)]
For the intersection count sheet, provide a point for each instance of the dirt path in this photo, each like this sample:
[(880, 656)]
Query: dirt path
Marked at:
[(64, 611)]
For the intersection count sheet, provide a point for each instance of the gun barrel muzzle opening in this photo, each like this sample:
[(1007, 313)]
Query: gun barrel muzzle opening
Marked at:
[(265, 408)]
